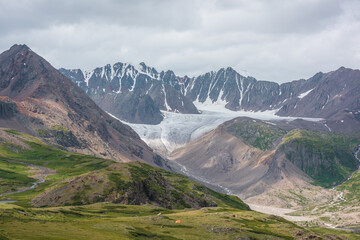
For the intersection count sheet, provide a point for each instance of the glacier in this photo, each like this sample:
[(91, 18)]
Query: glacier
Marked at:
[(178, 129)]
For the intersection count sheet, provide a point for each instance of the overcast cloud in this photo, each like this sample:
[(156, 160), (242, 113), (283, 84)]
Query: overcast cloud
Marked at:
[(276, 40)]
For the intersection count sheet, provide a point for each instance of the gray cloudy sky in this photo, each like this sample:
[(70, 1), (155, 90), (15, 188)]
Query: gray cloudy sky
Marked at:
[(277, 40)]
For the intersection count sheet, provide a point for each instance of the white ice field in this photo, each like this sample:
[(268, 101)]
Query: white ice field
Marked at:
[(178, 129)]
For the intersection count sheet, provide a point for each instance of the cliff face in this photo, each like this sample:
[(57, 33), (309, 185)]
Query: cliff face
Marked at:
[(38, 99), (327, 158), (7, 108), (131, 107)]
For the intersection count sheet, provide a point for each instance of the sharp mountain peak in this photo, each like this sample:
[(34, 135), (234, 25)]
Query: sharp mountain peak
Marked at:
[(19, 47), (45, 99)]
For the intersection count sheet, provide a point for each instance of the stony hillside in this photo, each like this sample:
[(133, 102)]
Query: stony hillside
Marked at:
[(254, 158), (256, 133), (39, 100)]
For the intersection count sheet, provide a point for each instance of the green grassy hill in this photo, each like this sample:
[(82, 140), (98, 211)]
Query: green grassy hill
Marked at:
[(135, 183), (326, 157), (351, 188), (162, 197), (256, 133), (82, 179)]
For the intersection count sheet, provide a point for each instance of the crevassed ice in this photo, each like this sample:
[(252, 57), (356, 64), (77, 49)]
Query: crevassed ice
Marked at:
[(178, 129)]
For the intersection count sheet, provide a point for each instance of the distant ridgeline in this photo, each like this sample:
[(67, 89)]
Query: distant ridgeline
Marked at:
[(137, 93)]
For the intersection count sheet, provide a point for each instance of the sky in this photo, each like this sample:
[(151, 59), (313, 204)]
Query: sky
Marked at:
[(274, 40)]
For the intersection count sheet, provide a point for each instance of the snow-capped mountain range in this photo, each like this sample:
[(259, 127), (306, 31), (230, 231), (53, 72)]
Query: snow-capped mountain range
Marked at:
[(134, 94), (137, 93)]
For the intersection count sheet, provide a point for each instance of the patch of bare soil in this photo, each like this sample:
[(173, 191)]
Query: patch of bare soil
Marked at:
[(40, 173), (281, 212), (330, 211)]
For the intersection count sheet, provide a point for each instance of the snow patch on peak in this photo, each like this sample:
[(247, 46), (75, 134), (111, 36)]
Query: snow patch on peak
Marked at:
[(168, 108), (209, 105), (149, 71), (302, 95), (76, 71), (87, 76)]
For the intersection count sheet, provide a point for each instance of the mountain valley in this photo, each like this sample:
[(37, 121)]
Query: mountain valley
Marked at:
[(79, 180), (125, 152), (311, 151)]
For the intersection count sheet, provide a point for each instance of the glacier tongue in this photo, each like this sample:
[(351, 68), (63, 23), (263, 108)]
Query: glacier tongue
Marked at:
[(178, 129)]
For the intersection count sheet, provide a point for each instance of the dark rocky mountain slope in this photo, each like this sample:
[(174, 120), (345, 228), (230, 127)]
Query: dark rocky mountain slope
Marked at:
[(333, 92), (37, 99), (134, 94), (324, 95)]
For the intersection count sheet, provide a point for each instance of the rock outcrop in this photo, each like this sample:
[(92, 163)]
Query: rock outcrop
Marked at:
[(135, 184)]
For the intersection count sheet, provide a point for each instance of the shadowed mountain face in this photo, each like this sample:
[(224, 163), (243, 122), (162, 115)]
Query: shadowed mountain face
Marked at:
[(334, 91), (38, 99), (122, 87), (323, 95), (237, 92), (134, 94)]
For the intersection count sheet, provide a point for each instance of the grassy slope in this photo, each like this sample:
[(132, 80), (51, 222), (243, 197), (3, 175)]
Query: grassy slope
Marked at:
[(256, 133), (123, 178), (65, 163), (351, 188), (326, 157), (13, 176), (136, 183), (116, 221), (183, 184)]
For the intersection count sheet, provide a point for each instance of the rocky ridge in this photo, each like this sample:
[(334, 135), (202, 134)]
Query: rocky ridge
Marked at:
[(124, 90), (37, 99), (134, 94)]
